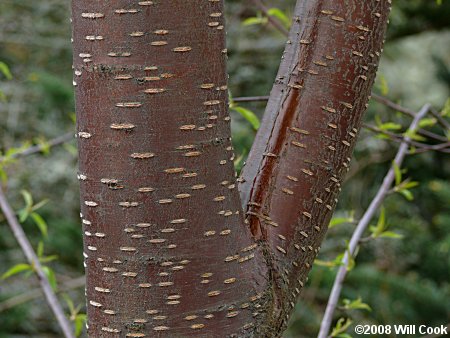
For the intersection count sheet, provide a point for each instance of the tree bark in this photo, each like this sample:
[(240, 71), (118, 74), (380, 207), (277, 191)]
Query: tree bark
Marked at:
[(292, 179), (168, 251)]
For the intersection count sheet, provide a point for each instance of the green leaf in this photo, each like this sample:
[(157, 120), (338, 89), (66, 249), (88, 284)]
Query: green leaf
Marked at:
[(47, 259), (381, 224), (407, 194), (18, 268), (28, 198), (39, 221), (446, 109), (343, 335), (238, 160), (280, 15), (14, 151), (79, 321), (3, 176), (51, 277), (340, 220), (230, 99), (338, 261), (427, 122), (255, 21), (351, 261), (356, 304), (391, 234), (389, 126), (249, 116), (397, 172), (73, 117), (4, 69), (69, 302), (383, 84), (43, 143), (412, 134), (71, 149), (40, 204), (409, 185), (380, 229), (382, 219), (40, 249), (23, 215), (328, 264), (341, 326)]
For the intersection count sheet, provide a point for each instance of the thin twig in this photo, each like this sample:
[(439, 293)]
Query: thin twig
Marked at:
[(40, 147), (388, 103), (32, 258), (378, 98), (275, 22), (363, 224), (441, 147), (443, 122), (250, 98), (385, 101), (393, 105), (37, 293)]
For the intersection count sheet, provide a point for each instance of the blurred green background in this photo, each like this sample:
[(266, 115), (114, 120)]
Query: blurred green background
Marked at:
[(404, 281)]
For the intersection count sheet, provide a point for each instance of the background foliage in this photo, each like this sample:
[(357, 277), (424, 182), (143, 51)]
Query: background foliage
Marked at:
[(404, 281)]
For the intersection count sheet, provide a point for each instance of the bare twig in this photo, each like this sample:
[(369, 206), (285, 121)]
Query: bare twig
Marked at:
[(441, 147), (27, 249), (388, 103), (383, 100), (393, 105), (250, 98), (363, 224), (276, 23), (380, 99), (38, 148), (443, 122), (37, 293)]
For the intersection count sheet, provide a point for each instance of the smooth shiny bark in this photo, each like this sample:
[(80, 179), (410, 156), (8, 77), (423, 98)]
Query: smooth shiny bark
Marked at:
[(292, 178), (167, 250)]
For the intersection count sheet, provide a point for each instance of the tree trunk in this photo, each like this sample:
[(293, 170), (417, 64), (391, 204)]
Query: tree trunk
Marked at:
[(168, 250)]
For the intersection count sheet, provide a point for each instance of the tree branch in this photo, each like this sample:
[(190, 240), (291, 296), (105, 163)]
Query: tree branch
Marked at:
[(37, 293), (383, 100), (388, 103), (32, 258), (441, 147), (250, 98), (294, 172), (276, 23), (440, 119), (363, 224), (39, 147), (168, 176)]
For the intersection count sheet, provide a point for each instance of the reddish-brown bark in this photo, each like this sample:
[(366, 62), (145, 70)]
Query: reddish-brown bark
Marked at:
[(293, 175), (167, 250)]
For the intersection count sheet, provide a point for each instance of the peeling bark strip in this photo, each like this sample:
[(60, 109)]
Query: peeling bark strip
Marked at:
[(166, 249), (294, 172)]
